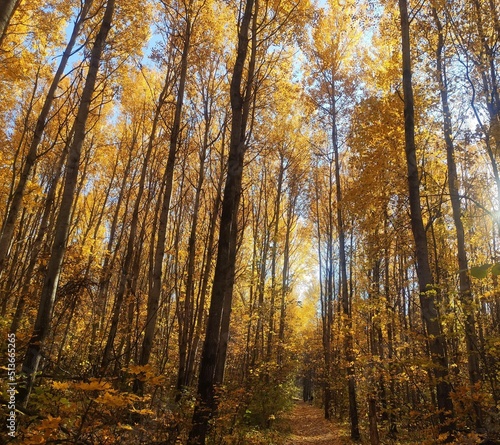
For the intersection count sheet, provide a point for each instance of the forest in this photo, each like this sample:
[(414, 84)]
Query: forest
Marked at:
[(210, 209)]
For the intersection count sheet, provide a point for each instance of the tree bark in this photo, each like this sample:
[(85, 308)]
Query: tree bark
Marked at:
[(435, 338), (155, 289), (344, 290), (214, 345), (17, 197), (466, 297), (7, 9), (42, 323)]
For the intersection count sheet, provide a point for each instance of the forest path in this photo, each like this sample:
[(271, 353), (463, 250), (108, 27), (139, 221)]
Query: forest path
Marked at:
[(308, 427)]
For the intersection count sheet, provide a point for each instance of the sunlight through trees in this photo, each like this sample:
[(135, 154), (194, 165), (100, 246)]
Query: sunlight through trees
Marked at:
[(211, 209)]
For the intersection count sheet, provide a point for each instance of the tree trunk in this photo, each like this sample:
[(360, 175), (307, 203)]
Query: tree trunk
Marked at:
[(188, 317), (285, 283), (344, 290), (42, 323), (205, 280), (466, 297), (7, 9), (17, 197), (372, 416), (223, 281), (125, 269), (274, 258), (155, 289), (436, 341)]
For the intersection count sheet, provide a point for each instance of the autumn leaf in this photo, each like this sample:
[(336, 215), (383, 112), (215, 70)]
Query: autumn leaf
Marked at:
[(62, 386), (93, 385), (480, 271)]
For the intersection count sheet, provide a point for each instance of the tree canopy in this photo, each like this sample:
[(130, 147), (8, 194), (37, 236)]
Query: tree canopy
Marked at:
[(209, 208)]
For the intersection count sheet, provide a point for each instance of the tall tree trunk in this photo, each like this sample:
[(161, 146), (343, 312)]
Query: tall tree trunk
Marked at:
[(156, 280), (390, 330), (327, 291), (223, 281), (42, 323), (187, 327), (466, 297), (7, 9), (435, 338), (285, 283), (206, 276), (274, 251), (17, 197), (129, 254), (344, 290), (248, 97), (258, 348)]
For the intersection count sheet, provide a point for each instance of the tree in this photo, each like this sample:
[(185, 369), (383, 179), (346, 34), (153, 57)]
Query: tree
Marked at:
[(333, 52), (437, 343), (42, 323), (214, 348), (16, 201), (465, 288), (6, 12)]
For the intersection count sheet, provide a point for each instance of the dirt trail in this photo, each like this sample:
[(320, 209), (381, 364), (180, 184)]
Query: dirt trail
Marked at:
[(308, 427)]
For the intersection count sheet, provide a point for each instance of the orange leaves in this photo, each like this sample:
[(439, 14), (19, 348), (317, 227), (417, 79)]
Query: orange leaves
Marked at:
[(93, 385), (101, 392), (115, 399), (145, 373), (50, 423), (61, 386), (45, 430), (104, 403)]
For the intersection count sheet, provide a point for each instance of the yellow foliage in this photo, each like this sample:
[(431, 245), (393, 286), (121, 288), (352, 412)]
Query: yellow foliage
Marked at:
[(62, 386), (138, 369), (93, 385), (44, 431), (143, 411), (113, 399)]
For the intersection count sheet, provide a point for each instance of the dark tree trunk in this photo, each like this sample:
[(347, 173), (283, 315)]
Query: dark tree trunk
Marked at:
[(17, 197), (204, 282), (42, 323), (435, 338), (222, 288), (327, 291), (285, 283), (466, 297), (274, 251), (156, 280), (187, 319), (344, 290), (7, 9)]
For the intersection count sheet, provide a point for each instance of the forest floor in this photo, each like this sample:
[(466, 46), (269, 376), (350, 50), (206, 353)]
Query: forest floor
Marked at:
[(307, 426)]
